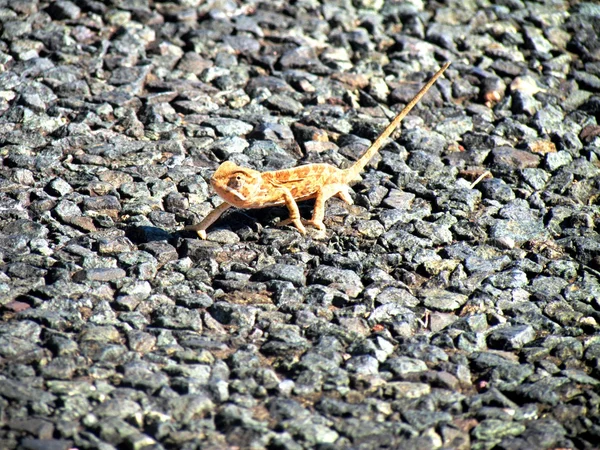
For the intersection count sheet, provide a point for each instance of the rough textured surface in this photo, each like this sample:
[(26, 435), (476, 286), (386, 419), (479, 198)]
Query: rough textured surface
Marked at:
[(433, 313)]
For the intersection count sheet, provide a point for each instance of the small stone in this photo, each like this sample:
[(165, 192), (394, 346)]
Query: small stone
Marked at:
[(397, 296), (102, 203), (524, 103), (45, 444), (434, 142), (543, 391), (16, 306), (493, 90), (455, 128), (492, 429), (536, 178), (162, 251), (284, 104), (371, 229), (442, 300), (459, 201), (496, 189), (283, 272), (519, 231), (422, 420), (535, 40), (398, 200), (511, 338), (363, 364), (526, 84), (64, 9), (15, 29), (229, 127), (66, 208), (462, 88), (557, 160), (26, 228), (223, 237), (59, 187), (587, 80), (140, 341), (379, 89), (115, 246), (510, 280), (549, 119), (403, 366), (369, 4), (327, 275), (83, 223), (24, 177), (273, 132), (100, 274), (542, 147), (507, 156), (406, 390), (225, 147), (193, 63)]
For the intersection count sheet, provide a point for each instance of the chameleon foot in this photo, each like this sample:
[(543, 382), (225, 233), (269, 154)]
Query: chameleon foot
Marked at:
[(319, 225), (201, 233), (297, 223)]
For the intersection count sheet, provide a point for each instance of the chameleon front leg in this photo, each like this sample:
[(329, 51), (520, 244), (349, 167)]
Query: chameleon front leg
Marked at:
[(292, 207), (201, 227)]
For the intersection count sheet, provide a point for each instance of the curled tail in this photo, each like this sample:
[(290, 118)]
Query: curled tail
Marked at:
[(358, 166)]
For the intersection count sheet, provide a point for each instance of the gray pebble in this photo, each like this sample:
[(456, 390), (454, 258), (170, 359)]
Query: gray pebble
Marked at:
[(282, 272), (556, 160), (511, 338), (442, 300), (65, 9)]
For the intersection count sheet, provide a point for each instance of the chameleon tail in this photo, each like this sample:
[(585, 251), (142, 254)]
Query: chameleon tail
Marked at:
[(358, 166)]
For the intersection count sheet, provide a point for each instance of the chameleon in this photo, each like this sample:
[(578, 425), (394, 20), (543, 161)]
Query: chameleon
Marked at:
[(242, 187)]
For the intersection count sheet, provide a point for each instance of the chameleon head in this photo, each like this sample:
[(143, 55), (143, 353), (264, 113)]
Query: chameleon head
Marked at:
[(236, 185)]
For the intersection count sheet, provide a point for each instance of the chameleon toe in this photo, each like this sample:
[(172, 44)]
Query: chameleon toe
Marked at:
[(319, 225), (283, 223), (299, 226), (296, 222)]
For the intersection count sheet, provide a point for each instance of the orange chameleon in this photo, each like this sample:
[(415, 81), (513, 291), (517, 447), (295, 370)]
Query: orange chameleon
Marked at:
[(247, 188)]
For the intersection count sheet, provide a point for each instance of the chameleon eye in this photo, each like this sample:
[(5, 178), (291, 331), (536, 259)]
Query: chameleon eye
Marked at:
[(235, 182)]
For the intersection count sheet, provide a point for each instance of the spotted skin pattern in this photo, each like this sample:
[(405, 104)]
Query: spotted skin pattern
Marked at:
[(249, 189)]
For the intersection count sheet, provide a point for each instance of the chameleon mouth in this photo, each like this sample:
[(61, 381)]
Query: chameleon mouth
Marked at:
[(238, 194)]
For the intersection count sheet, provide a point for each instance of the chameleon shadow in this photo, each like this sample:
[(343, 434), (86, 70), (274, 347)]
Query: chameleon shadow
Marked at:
[(141, 234)]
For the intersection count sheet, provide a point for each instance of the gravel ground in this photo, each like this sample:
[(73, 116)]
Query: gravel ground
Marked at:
[(436, 312)]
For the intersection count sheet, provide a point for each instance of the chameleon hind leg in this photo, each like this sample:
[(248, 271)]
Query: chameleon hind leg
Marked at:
[(344, 194), (324, 194)]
